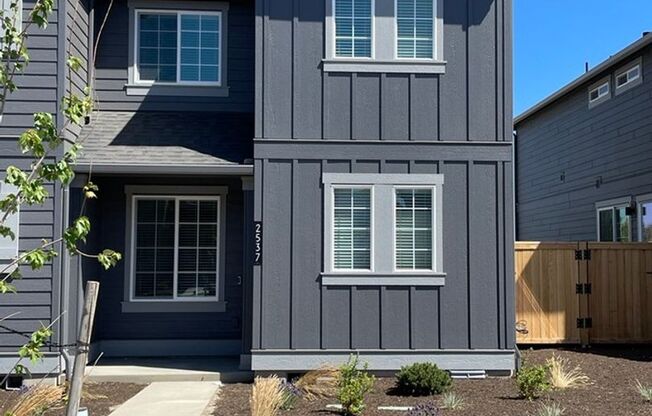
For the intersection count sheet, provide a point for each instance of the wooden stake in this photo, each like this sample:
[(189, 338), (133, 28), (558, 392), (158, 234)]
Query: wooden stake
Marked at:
[(83, 342)]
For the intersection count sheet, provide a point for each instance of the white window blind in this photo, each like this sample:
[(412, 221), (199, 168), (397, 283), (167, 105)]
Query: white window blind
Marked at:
[(415, 33), (176, 248), (9, 246), (413, 229), (353, 28), (7, 12), (352, 229)]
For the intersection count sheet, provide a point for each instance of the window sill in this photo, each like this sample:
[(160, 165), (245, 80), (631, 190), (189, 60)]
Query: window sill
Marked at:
[(177, 90), (383, 279), (173, 307), (396, 66)]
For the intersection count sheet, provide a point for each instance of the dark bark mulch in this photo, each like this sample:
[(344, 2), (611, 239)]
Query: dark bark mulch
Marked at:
[(100, 398), (612, 370)]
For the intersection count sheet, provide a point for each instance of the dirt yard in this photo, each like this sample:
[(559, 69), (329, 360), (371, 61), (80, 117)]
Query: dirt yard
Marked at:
[(613, 372), (101, 399)]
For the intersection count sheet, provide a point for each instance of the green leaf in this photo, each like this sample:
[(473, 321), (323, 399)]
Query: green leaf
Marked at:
[(90, 190), (7, 232), (75, 63), (6, 287), (109, 258)]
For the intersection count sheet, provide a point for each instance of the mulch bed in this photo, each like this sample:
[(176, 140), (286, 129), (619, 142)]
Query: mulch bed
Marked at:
[(612, 370), (100, 398)]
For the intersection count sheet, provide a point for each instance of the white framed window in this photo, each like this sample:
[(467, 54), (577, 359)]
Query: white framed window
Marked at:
[(383, 229), (8, 12), (389, 36), (644, 217), (178, 47), (613, 223), (629, 76), (175, 248), (599, 92)]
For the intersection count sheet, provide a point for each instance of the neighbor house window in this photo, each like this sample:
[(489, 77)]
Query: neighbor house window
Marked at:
[(353, 28), (352, 229), (645, 218), (382, 229), (599, 92), (629, 76), (178, 47), (175, 248), (614, 224), (415, 22), (413, 229)]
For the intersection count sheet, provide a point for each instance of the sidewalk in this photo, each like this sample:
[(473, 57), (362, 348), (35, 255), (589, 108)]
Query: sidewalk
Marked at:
[(186, 398)]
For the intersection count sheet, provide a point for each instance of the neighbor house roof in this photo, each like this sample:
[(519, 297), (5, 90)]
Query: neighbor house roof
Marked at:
[(645, 40), (201, 142)]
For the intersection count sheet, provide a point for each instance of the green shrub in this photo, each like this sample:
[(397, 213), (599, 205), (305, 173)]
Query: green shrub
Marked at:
[(352, 385), (532, 381), (422, 379)]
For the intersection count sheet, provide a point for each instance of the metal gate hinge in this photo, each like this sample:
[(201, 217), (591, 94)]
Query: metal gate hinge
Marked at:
[(584, 323), (583, 288), (583, 254)]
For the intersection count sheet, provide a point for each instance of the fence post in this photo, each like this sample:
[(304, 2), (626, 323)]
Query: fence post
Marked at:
[(83, 342)]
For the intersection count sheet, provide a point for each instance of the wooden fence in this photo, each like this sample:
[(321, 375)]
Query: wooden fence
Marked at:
[(580, 293)]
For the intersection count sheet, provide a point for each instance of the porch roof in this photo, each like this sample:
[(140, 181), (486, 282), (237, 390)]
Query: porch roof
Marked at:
[(200, 142)]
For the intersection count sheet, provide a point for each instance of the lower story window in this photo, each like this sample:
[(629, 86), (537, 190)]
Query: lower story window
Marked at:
[(614, 224), (413, 229), (175, 248)]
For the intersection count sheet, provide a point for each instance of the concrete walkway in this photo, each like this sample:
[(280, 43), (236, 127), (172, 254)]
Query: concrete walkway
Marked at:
[(188, 398)]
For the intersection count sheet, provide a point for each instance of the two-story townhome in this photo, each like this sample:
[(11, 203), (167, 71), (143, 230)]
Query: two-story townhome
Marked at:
[(584, 155), (294, 181)]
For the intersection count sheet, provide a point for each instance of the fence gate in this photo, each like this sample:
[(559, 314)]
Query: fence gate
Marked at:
[(583, 292)]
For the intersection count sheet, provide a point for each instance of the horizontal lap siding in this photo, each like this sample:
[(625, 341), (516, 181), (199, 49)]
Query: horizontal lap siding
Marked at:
[(112, 64), (298, 100), (109, 222), (295, 312), (77, 45), (609, 143)]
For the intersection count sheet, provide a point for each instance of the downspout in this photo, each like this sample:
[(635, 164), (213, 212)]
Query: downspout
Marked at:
[(65, 285)]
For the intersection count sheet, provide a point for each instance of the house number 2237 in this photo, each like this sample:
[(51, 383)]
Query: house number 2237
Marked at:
[(258, 243)]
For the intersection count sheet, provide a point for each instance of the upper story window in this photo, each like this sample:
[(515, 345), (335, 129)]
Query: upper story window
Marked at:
[(388, 36), (629, 76), (178, 47), (599, 92)]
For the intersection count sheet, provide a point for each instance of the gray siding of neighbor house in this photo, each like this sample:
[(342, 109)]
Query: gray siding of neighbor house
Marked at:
[(79, 45), (40, 88), (108, 216), (112, 64), (457, 124), (611, 142)]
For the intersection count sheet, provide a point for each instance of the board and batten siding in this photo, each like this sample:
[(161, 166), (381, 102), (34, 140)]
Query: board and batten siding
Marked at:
[(566, 149), (470, 102), (473, 310), (112, 64)]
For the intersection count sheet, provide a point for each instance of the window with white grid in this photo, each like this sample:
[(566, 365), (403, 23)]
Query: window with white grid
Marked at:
[(413, 229), (352, 229)]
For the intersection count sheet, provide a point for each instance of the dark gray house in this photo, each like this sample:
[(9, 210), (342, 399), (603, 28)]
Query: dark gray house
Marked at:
[(584, 155), (292, 182)]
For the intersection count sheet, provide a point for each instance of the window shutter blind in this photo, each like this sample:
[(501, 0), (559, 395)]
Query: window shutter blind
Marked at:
[(353, 20), (352, 229), (414, 229), (9, 247), (415, 28)]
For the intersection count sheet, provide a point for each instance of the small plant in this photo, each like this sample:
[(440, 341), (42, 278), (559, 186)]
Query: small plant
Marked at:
[(319, 383), (562, 377), (645, 391), (36, 400), (422, 379), (424, 409), (452, 401), (291, 395), (353, 383), (532, 381), (551, 409), (267, 396)]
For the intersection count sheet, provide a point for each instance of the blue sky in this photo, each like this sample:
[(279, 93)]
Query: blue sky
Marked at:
[(554, 38)]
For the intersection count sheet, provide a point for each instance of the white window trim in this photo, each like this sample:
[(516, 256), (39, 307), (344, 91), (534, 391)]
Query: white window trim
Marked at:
[(633, 82), (384, 44), (640, 201), (178, 13), (383, 261), (433, 225), (371, 228), (611, 204), (175, 273)]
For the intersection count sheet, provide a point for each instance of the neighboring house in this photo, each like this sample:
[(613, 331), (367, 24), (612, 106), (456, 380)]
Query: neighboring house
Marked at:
[(584, 155), (296, 181)]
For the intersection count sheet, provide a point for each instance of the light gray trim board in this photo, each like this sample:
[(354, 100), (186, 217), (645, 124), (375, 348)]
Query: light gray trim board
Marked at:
[(50, 364), (177, 90), (624, 54), (614, 202), (597, 84), (247, 183), (382, 179), (386, 67), (165, 347), (132, 191), (376, 279), (633, 84), (302, 360), (173, 307), (180, 169)]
